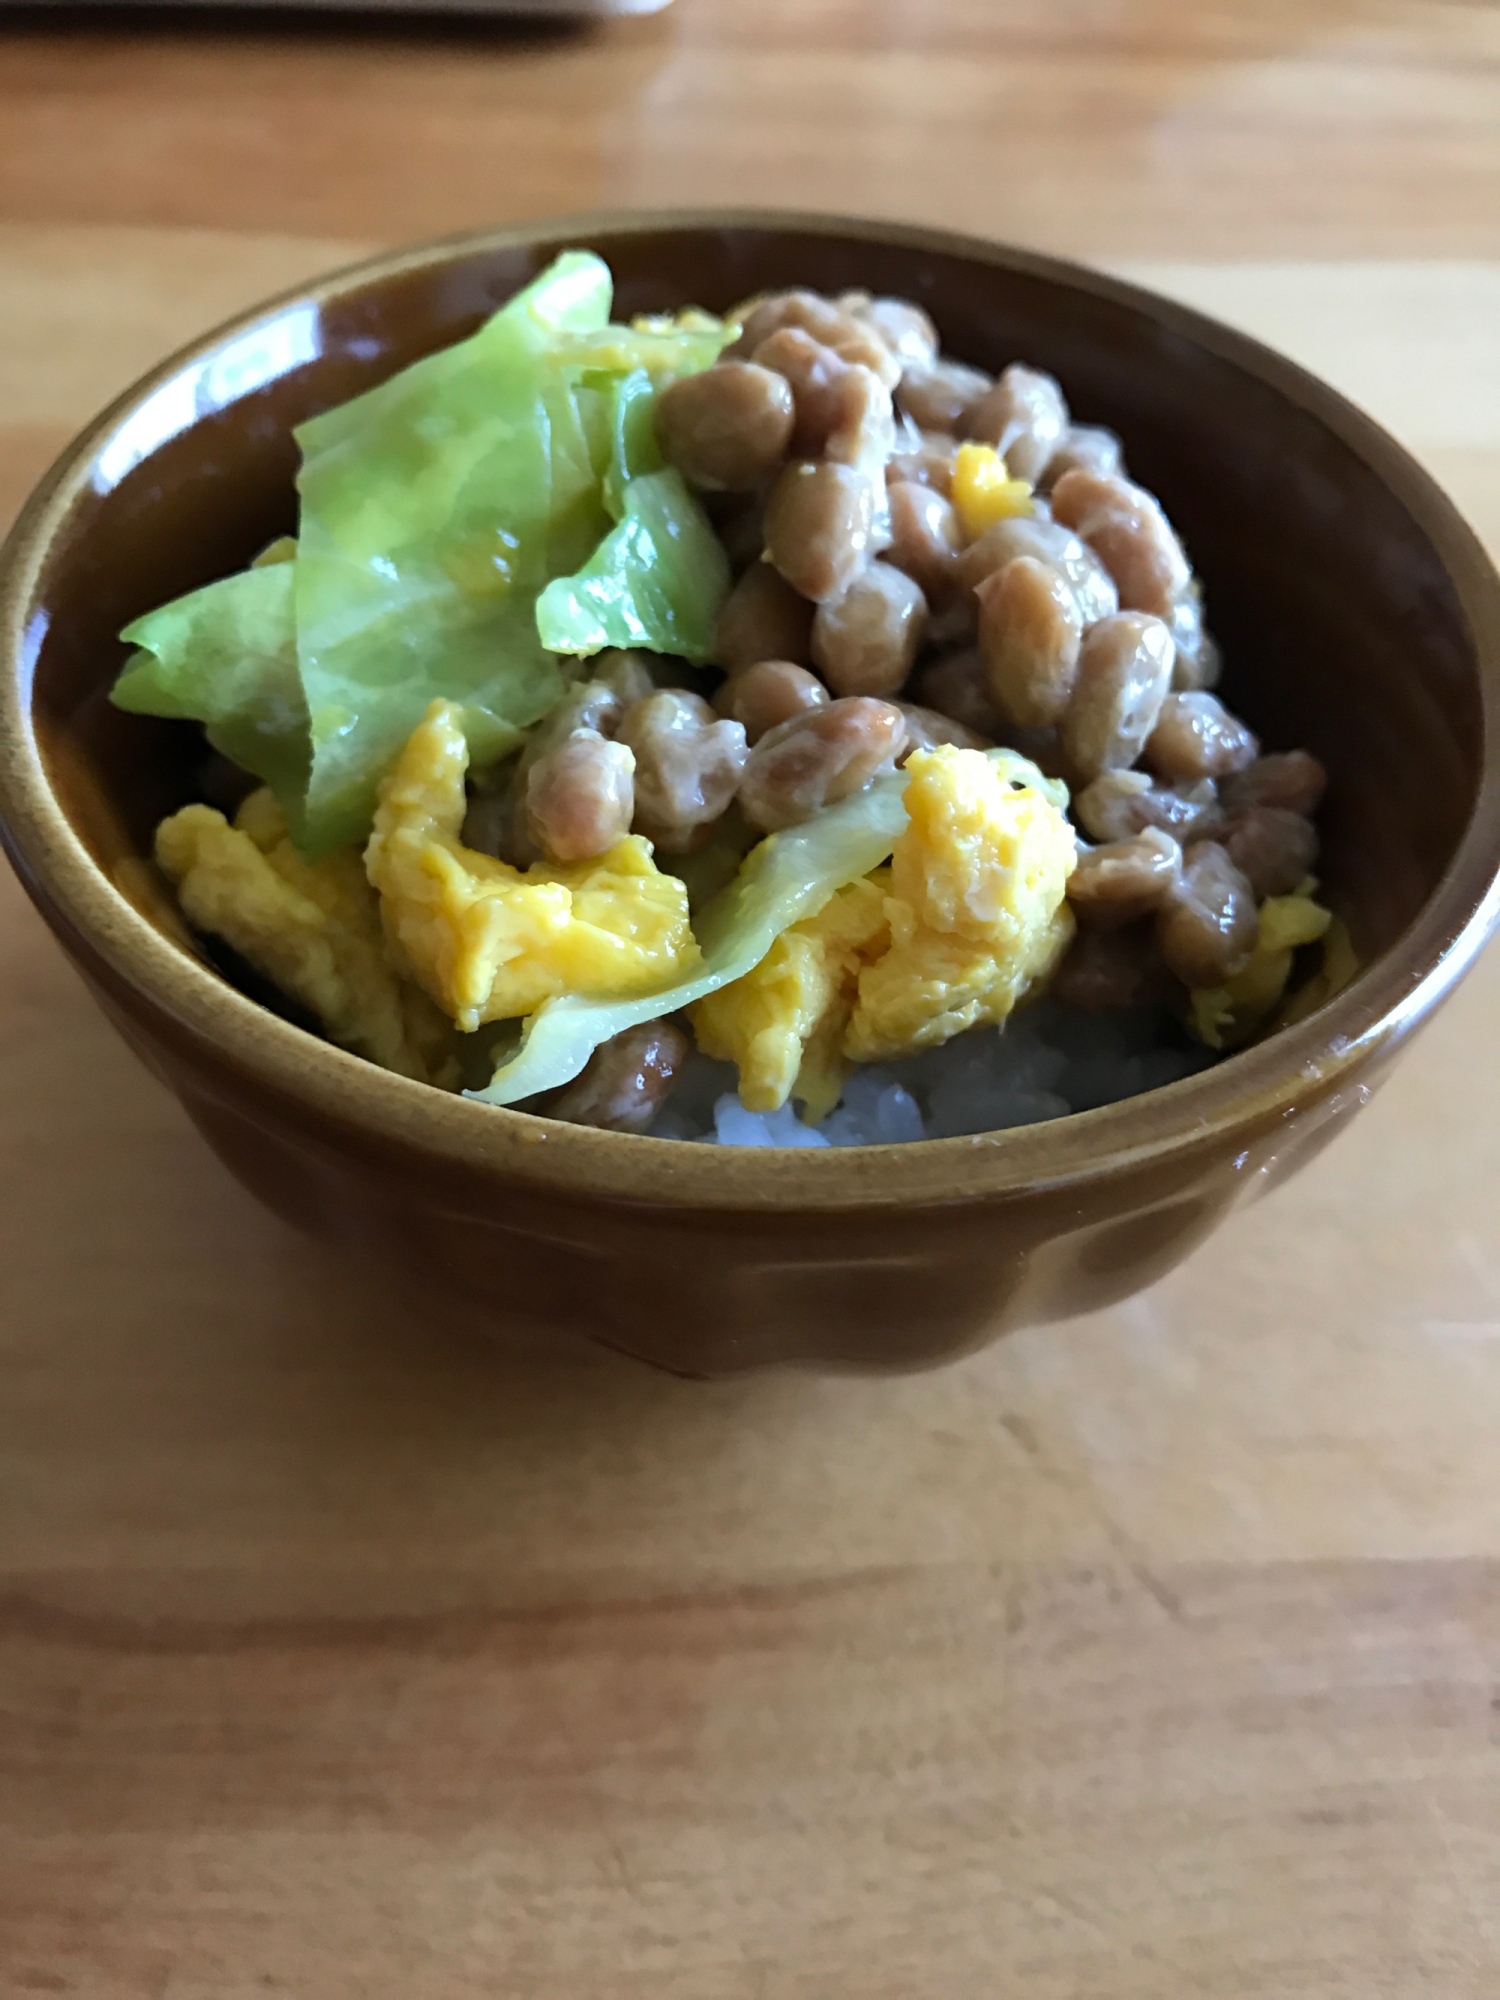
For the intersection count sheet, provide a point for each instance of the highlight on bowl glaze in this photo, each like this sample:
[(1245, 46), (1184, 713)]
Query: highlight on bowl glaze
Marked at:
[(1359, 618)]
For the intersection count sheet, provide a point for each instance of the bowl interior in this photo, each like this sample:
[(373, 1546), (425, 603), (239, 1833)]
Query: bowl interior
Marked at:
[(1342, 630)]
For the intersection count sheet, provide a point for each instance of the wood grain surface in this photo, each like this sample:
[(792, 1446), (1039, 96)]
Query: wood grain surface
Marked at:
[(1153, 1655)]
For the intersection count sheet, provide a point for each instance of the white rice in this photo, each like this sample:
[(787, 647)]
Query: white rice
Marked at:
[(1045, 1063)]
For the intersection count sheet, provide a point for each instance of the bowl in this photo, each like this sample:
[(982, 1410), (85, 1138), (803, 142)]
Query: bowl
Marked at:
[(1360, 619)]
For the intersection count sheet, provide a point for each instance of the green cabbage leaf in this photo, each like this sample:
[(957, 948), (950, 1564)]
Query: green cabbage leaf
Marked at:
[(226, 656), (658, 579), (434, 509)]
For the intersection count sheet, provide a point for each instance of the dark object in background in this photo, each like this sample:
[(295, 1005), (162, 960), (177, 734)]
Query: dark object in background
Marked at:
[(539, 12)]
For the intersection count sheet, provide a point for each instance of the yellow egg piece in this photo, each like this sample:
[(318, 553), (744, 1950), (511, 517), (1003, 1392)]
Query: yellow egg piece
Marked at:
[(490, 942), (1225, 1017), (1341, 963), (984, 492), (311, 927), (977, 910), (782, 1024), (969, 918)]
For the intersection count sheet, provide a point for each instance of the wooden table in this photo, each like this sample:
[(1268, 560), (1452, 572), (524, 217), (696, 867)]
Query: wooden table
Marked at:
[(1152, 1655)]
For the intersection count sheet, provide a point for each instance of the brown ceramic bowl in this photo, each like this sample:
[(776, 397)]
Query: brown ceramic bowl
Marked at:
[(1359, 616)]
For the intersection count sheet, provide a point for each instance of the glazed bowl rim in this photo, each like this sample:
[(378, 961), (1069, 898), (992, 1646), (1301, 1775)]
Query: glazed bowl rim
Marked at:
[(1255, 1087)]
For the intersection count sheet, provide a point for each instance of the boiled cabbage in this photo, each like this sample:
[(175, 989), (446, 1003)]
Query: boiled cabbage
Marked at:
[(658, 579), (434, 509), (226, 656)]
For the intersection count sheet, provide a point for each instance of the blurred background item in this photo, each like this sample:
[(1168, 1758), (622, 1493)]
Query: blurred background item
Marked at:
[(521, 10)]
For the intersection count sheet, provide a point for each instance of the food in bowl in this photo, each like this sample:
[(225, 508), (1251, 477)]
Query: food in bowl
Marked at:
[(767, 730)]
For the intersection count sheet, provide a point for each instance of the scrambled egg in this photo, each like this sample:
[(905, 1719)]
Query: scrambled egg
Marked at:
[(311, 927), (969, 918), (976, 908), (490, 942), (1341, 963), (1227, 1016), (783, 1024), (984, 492)]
